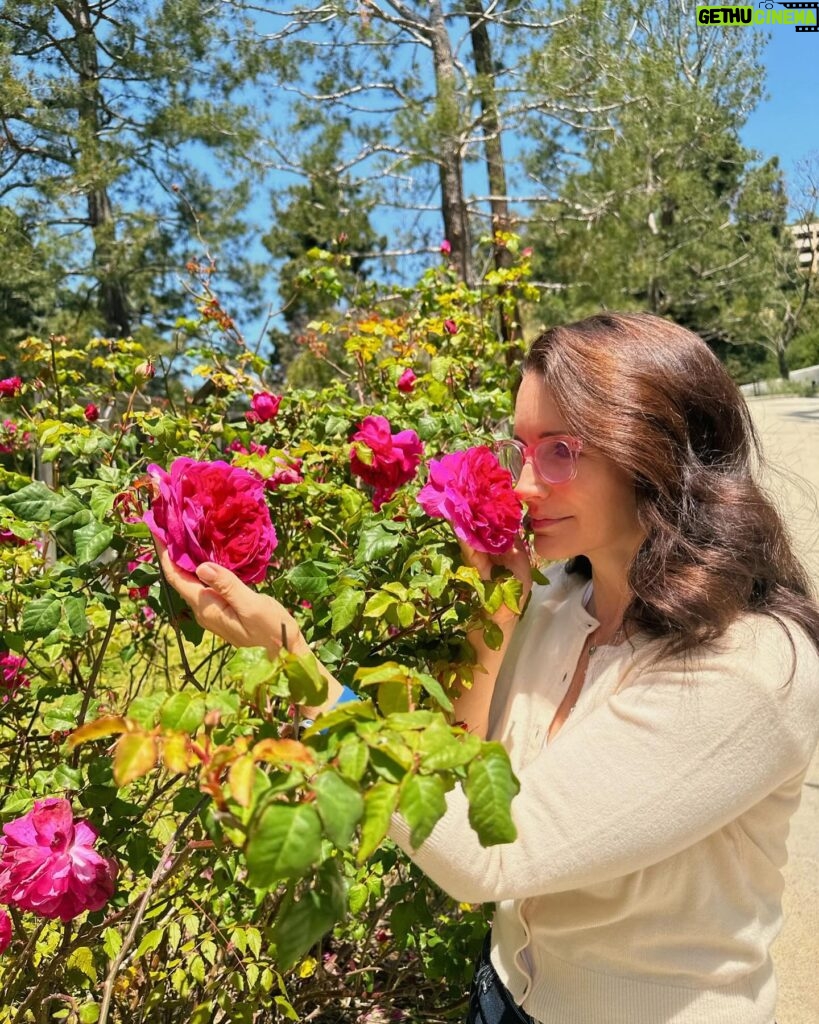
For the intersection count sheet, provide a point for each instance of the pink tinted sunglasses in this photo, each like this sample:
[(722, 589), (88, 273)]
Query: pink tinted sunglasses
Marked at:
[(554, 458)]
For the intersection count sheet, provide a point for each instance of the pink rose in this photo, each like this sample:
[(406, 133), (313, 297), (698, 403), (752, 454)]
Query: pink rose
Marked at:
[(406, 382), (12, 676), (264, 407), (7, 537), (10, 387), (91, 412), (48, 863), (394, 460), (5, 931), (450, 327), (286, 472), (212, 512), (143, 555), (446, 247), (474, 493)]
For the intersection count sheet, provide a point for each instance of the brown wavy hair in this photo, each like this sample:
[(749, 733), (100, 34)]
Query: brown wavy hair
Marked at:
[(654, 398)]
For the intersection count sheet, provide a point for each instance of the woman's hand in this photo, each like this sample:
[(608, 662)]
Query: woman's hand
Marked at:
[(224, 605)]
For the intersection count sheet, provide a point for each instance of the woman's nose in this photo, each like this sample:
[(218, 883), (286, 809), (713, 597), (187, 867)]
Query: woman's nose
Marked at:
[(529, 485)]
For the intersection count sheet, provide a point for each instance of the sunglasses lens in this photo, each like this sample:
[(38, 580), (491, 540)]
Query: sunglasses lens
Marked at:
[(555, 461), (511, 458)]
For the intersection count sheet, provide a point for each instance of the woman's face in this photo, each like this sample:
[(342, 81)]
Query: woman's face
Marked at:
[(595, 514)]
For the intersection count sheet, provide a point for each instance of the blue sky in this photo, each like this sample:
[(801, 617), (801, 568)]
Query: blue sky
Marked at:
[(786, 123)]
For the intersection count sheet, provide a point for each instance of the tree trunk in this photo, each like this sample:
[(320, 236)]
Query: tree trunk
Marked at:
[(450, 163), (782, 363), (510, 320), (113, 294)]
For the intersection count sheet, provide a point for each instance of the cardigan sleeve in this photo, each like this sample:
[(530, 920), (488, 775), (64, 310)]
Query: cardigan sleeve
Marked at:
[(660, 765)]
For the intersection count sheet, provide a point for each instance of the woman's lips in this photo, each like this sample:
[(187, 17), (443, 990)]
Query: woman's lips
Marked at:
[(542, 522)]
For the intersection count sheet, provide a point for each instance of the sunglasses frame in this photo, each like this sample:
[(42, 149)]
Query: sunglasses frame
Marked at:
[(529, 451)]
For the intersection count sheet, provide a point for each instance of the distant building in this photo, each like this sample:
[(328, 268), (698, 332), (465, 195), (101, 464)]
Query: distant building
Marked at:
[(806, 240)]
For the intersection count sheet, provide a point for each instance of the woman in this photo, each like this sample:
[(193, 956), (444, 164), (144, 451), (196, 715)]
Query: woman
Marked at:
[(659, 699)]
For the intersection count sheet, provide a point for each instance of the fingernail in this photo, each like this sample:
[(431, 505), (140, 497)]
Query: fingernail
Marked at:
[(207, 573)]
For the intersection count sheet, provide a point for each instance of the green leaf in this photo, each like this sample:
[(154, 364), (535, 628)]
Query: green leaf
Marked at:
[(435, 690), (144, 709), (353, 755), (149, 942), (135, 755), (311, 580), (89, 1013), (490, 787), (441, 750), (252, 667), (75, 614), (91, 540), (422, 803), (111, 942), (344, 609), (301, 923), (376, 541), (32, 503), (66, 777), (340, 806), (307, 684), (82, 959), (182, 712), (68, 512), (350, 711), (63, 713), (284, 841), (101, 501), (493, 636), (40, 617), (357, 897), (379, 604), (380, 801)]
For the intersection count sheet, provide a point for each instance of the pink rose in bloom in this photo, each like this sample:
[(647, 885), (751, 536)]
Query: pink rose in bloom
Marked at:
[(48, 863), (10, 387), (212, 512), (446, 247), (474, 494), (12, 676), (406, 382), (395, 457), (5, 931), (91, 413), (263, 407), (286, 472)]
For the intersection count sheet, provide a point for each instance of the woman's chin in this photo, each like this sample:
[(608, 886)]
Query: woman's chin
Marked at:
[(548, 548)]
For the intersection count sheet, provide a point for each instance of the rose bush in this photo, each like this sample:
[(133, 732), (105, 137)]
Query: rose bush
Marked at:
[(473, 492), (254, 878), (212, 511)]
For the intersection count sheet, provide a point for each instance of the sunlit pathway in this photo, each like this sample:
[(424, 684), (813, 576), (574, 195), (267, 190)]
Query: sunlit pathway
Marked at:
[(789, 428)]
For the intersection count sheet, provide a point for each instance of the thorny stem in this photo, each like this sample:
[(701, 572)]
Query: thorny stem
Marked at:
[(95, 671), (189, 676)]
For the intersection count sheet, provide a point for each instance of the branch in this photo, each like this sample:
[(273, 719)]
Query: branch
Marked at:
[(160, 874)]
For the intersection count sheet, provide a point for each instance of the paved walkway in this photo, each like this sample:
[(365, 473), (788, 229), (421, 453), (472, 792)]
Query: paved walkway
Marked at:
[(789, 429)]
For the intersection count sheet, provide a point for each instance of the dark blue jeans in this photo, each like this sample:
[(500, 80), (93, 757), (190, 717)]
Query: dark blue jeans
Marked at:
[(489, 1000)]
